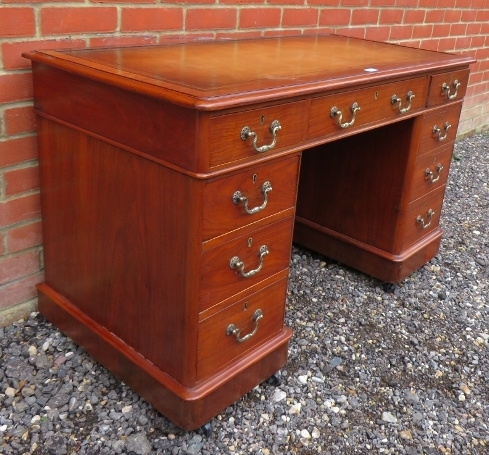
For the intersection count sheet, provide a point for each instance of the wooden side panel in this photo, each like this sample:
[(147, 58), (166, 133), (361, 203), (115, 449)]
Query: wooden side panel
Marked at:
[(152, 126), (356, 186), (122, 243)]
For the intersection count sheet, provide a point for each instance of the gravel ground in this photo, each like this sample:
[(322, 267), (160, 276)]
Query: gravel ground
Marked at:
[(369, 372)]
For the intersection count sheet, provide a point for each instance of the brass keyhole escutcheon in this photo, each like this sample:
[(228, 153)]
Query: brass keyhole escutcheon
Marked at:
[(262, 120), (376, 96), (245, 306), (250, 241), (255, 176)]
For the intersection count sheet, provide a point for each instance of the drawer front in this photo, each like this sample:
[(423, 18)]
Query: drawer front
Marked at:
[(245, 197), (423, 216), (220, 280), (447, 87), (231, 141), (258, 317), (439, 128), (431, 171), (376, 103)]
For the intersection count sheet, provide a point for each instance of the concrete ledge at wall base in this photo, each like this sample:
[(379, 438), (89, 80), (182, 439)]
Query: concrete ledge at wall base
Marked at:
[(16, 312), (478, 130)]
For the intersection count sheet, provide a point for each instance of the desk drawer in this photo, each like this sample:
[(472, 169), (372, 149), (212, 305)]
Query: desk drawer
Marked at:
[(431, 171), (376, 103), (447, 87), (228, 144), (218, 345), (423, 216), (219, 280), (439, 128), (268, 188)]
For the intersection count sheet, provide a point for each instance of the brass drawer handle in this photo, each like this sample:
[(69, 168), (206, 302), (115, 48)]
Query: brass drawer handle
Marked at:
[(445, 89), (238, 197), (409, 97), (335, 112), (421, 220), (246, 132), (233, 330), (437, 131), (236, 263), (428, 174)]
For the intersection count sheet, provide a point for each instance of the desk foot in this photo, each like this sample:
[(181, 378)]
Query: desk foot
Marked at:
[(389, 287), (275, 379), (207, 429)]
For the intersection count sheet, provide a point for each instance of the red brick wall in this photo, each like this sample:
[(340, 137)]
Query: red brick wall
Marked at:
[(445, 25)]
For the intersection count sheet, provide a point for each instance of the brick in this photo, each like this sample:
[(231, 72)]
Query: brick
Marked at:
[(16, 151), (21, 180), (364, 16), (259, 17), (409, 3), (300, 17), (391, 16), (476, 78), (474, 29), (401, 32), (20, 209), (104, 41), (151, 19), (20, 120), (20, 291), (435, 15), (428, 3), (78, 20), (377, 33), (382, 2), (414, 16), (422, 31), (478, 41), (1, 244), (458, 29), (334, 3), (452, 15), (42, 1), (23, 237), (210, 18), (123, 1), (354, 32), (12, 51), (446, 44), (446, 3), (355, 3), (462, 42), (286, 2), (441, 30), (335, 17), (17, 22), (227, 2), (479, 4), (19, 266), (15, 87), (463, 3), (468, 15), (430, 44), (320, 31), (483, 16)]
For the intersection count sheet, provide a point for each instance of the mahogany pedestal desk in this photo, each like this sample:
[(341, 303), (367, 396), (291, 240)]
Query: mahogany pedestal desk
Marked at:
[(170, 189)]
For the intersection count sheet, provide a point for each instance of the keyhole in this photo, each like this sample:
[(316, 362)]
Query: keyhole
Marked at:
[(246, 305), (376, 95), (250, 241), (262, 120), (255, 176)]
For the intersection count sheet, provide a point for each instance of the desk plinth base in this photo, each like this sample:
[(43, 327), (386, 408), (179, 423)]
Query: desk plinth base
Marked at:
[(189, 408), (388, 267)]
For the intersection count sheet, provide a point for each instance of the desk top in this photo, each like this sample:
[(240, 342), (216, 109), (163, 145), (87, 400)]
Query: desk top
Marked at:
[(215, 74)]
